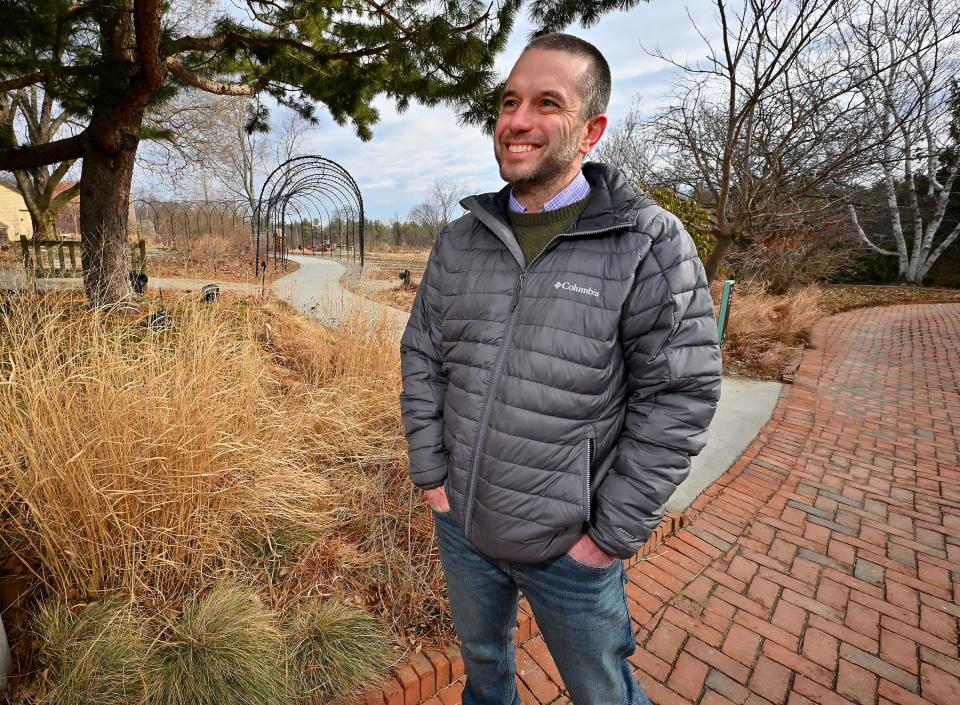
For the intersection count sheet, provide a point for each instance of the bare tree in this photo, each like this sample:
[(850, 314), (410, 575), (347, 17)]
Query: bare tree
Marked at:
[(804, 249), (289, 139), (772, 120), (920, 100), (31, 116), (441, 206), (214, 145), (632, 146), (239, 150), (187, 134)]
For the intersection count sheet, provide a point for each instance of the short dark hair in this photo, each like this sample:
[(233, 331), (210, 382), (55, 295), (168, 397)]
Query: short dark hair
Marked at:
[(595, 82)]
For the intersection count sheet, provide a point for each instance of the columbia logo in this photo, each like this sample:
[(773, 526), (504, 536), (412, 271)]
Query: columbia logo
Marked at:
[(567, 286)]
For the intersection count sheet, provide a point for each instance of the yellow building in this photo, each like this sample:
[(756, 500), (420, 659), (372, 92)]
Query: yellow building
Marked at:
[(14, 216)]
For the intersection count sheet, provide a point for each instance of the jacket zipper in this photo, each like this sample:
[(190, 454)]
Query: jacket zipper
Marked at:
[(591, 444), (469, 502)]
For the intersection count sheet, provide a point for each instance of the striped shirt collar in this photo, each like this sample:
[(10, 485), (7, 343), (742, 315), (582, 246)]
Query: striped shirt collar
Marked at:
[(576, 191)]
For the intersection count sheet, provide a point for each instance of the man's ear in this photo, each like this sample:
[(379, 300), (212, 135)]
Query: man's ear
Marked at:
[(593, 131)]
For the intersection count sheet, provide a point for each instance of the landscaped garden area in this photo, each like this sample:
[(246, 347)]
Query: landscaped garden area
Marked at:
[(208, 503)]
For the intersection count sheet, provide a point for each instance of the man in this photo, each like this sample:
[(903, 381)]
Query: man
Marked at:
[(560, 366)]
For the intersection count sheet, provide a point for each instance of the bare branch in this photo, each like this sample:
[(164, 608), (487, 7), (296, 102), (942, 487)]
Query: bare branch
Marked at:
[(863, 236)]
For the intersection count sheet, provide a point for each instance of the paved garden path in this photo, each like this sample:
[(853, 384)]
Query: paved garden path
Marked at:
[(314, 289), (824, 566)]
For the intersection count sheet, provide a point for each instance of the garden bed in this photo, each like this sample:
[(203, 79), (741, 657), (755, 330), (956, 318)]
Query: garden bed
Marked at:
[(766, 332), (180, 447)]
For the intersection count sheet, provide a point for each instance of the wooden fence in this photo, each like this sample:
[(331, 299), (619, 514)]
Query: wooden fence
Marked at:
[(45, 259)]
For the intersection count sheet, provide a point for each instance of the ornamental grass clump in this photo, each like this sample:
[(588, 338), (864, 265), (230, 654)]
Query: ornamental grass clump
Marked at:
[(224, 648), (765, 330), (144, 458), (93, 654), (338, 648)]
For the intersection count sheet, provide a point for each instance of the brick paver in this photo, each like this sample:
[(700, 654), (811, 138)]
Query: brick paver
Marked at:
[(824, 567)]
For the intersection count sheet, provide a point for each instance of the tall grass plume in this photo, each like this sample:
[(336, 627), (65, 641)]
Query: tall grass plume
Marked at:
[(141, 458)]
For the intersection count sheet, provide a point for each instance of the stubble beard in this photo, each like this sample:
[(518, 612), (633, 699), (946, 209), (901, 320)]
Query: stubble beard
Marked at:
[(546, 170)]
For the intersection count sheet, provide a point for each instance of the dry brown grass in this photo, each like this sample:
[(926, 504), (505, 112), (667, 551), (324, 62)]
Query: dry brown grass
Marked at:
[(228, 257), (382, 554), (382, 275), (145, 460), (765, 330), (399, 297), (388, 251), (245, 439)]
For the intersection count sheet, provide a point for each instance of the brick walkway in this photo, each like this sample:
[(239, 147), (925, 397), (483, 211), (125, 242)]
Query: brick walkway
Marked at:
[(824, 567)]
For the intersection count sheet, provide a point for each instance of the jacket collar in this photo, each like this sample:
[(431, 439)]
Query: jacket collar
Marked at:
[(612, 201)]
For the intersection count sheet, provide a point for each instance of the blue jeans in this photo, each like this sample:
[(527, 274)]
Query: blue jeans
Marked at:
[(581, 611)]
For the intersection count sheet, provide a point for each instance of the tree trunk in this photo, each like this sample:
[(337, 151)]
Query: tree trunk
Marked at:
[(104, 203), (724, 243), (44, 227)]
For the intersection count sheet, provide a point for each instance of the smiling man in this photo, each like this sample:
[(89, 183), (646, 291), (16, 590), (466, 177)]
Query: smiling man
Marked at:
[(560, 367)]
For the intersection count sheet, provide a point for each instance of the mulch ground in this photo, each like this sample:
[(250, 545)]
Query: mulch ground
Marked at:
[(837, 298)]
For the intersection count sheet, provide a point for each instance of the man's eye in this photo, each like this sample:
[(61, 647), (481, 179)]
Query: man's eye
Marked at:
[(509, 104), (547, 103)]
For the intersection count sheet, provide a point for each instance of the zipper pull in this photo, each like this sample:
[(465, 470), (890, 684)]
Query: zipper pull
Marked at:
[(518, 289)]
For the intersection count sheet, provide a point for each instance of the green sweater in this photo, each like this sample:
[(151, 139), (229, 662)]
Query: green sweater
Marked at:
[(535, 230)]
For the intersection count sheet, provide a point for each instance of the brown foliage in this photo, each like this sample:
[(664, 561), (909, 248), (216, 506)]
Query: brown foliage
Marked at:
[(228, 257), (764, 330)]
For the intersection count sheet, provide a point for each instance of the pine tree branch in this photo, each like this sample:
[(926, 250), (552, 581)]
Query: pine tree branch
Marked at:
[(218, 41), (12, 84), (32, 156), (210, 86)]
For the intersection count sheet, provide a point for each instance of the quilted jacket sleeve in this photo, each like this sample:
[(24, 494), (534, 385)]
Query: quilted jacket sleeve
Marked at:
[(424, 384), (669, 338)]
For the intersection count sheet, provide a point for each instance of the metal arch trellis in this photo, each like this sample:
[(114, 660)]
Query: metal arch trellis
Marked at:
[(173, 221), (308, 192)]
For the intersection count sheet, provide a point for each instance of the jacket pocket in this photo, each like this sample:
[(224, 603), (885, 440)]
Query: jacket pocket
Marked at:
[(588, 455)]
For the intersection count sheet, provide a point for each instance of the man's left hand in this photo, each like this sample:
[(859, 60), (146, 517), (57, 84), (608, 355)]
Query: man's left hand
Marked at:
[(587, 552)]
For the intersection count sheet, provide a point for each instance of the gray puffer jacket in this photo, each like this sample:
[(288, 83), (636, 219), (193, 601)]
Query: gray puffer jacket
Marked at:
[(566, 395)]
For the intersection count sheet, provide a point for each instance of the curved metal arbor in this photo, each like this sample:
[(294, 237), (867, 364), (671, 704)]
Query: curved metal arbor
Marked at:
[(309, 204), (172, 222)]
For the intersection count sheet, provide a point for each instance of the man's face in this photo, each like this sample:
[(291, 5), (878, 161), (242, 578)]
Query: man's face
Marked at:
[(541, 134)]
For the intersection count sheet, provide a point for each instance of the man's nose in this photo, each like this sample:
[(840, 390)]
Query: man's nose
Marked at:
[(521, 119)]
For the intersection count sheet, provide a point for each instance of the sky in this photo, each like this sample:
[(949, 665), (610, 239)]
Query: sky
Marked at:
[(409, 151)]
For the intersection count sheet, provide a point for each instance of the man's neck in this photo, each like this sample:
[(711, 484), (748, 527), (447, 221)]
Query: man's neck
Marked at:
[(534, 196)]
